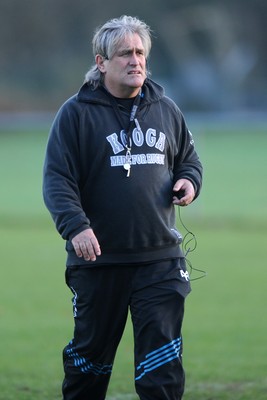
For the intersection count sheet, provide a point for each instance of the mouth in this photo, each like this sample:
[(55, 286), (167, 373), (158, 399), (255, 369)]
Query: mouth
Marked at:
[(134, 73)]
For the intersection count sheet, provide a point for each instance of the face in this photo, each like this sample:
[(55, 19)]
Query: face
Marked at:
[(125, 73)]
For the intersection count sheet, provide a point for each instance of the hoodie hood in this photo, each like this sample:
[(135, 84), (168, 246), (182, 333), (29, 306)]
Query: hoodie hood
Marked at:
[(87, 94)]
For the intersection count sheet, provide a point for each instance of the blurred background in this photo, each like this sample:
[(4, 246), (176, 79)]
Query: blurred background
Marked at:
[(211, 55)]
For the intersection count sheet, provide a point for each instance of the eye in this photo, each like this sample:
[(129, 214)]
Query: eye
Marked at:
[(128, 53), (124, 53), (140, 52)]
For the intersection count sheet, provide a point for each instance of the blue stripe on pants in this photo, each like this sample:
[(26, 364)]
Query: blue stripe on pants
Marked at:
[(159, 357)]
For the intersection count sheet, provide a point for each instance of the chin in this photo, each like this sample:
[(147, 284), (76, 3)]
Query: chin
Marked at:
[(137, 83)]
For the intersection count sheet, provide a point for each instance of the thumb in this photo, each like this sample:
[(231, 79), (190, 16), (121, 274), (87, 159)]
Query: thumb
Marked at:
[(178, 185)]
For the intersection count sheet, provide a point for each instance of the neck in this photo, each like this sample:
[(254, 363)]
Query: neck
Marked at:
[(126, 103)]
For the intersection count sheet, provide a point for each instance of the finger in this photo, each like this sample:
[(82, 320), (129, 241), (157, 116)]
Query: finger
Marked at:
[(186, 200), (86, 245), (183, 201), (96, 246), (77, 249), (85, 250), (183, 204), (92, 249)]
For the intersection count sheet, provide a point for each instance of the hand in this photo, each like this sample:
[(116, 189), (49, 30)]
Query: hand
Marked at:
[(185, 186), (86, 245)]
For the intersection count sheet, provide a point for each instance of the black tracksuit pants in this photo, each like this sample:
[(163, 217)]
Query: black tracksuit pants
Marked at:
[(102, 296)]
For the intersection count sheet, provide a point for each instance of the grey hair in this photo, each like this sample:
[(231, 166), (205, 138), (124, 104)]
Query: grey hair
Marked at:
[(108, 37)]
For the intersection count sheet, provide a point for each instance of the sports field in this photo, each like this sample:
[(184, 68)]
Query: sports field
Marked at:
[(225, 327)]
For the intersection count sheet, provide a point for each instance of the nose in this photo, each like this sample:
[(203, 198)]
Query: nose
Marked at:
[(134, 59)]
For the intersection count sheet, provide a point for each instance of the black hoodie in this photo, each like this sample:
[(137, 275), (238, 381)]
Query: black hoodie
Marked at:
[(85, 184)]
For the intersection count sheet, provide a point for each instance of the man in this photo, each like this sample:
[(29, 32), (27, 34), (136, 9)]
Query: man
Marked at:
[(116, 153)]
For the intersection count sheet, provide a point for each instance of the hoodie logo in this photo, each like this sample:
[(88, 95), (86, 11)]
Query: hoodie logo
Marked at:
[(191, 139), (150, 139)]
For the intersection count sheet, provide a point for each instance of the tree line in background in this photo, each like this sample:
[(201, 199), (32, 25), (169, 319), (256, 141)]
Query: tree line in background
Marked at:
[(209, 55)]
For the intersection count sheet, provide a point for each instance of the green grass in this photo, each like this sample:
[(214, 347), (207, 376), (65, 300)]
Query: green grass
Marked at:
[(225, 324)]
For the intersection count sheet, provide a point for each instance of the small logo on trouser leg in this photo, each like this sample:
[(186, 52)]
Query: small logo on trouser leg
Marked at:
[(185, 275)]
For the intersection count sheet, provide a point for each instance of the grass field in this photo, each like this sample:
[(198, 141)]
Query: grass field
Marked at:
[(225, 325)]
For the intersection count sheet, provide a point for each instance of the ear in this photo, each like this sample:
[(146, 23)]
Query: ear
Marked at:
[(100, 62)]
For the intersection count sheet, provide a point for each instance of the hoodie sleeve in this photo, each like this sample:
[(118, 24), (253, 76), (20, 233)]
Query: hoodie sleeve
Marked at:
[(186, 162), (61, 173)]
